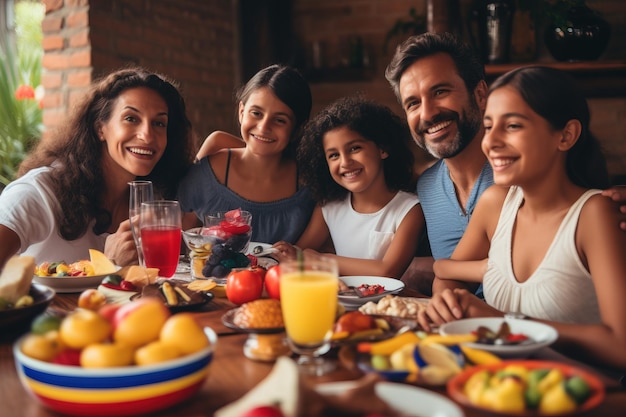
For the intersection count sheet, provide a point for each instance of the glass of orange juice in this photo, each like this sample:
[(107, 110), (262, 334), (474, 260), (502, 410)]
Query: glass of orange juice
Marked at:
[(308, 297)]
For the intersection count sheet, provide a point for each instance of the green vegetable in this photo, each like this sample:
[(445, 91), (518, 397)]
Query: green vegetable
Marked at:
[(380, 362), (578, 389), (113, 279)]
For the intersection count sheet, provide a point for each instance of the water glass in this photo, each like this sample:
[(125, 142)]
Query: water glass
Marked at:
[(161, 229), (308, 297), (140, 192)]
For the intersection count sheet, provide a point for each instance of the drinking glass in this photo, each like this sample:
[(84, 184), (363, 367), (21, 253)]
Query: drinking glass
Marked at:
[(140, 192), (308, 297), (161, 229)]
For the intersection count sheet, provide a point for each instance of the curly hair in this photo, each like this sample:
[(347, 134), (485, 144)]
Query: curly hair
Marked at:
[(75, 153), (468, 64), (553, 95), (288, 84), (374, 122)]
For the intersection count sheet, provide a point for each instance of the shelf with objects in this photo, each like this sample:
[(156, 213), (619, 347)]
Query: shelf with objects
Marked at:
[(596, 78)]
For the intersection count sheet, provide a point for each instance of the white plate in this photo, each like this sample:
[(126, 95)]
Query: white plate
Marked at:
[(71, 284), (542, 334), (407, 399), (390, 284)]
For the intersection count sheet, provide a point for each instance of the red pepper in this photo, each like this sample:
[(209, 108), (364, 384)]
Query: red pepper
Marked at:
[(517, 337)]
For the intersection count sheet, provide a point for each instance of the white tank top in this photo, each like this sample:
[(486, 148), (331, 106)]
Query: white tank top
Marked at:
[(560, 289)]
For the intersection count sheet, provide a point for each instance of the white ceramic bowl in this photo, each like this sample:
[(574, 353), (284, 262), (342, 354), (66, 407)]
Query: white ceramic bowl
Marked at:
[(541, 334)]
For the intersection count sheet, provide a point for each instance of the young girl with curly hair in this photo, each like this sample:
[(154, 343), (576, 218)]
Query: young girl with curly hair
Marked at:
[(356, 159)]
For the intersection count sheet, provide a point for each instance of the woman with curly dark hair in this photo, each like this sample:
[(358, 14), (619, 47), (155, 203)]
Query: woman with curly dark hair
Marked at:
[(73, 191), (356, 159)]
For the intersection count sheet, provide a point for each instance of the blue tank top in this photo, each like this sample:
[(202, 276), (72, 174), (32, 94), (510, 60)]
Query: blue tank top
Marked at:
[(285, 219)]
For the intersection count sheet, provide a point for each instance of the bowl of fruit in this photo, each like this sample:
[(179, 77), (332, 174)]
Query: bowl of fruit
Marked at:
[(220, 245), (527, 388), (121, 360)]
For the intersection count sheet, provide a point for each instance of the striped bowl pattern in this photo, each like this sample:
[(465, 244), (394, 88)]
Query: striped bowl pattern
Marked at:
[(123, 391)]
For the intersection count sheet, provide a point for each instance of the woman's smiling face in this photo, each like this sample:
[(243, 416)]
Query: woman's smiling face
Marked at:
[(135, 136)]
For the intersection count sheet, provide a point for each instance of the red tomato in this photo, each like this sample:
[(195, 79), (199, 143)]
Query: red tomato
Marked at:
[(259, 270), (272, 282), (243, 286), (263, 411)]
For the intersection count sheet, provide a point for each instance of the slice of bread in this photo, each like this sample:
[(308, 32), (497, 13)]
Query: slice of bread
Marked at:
[(16, 278)]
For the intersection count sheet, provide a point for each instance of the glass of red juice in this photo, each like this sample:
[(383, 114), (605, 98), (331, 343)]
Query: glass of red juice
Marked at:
[(161, 229)]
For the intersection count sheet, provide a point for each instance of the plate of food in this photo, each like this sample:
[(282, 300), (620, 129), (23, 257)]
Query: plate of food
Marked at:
[(20, 315), (532, 388), (263, 316), (175, 294), (355, 291), (505, 337), (71, 284)]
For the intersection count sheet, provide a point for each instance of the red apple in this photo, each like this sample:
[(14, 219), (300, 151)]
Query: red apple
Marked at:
[(108, 311), (139, 322)]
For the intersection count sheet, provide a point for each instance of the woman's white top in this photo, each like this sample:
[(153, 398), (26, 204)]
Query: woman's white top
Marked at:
[(27, 207), (366, 235), (560, 289)]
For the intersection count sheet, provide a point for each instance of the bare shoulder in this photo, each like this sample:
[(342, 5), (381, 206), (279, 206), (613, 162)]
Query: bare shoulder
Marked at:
[(599, 210), (493, 197)]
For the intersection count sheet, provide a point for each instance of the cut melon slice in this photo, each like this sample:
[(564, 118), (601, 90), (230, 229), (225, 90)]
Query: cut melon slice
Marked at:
[(139, 276), (101, 264)]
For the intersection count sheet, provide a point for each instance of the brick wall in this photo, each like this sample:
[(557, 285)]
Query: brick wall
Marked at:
[(190, 41)]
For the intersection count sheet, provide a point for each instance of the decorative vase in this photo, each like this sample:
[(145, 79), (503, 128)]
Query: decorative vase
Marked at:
[(492, 25), (580, 35)]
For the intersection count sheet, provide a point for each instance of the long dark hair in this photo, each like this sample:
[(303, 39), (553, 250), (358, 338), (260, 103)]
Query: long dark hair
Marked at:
[(373, 122), (75, 153), (291, 88), (553, 95)]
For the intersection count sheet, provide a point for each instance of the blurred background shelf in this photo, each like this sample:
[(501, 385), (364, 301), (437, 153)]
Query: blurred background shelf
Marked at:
[(596, 78)]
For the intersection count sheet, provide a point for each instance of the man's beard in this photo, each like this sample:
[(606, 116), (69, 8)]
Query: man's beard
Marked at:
[(467, 128)]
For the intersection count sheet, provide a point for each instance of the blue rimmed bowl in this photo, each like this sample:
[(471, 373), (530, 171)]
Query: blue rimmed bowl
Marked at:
[(121, 391)]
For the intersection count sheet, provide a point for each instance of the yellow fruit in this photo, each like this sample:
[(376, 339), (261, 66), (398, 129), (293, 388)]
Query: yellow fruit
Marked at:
[(184, 333), (449, 340), (439, 355), (476, 385), (436, 375), (388, 346), (556, 401), (479, 357), (84, 327), (40, 347), (139, 322), (106, 355), (509, 396), (402, 359), (156, 352), (101, 264), (554, 377)]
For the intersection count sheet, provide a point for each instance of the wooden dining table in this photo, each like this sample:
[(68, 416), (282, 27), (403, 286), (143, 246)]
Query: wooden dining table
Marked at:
[(231, 373)]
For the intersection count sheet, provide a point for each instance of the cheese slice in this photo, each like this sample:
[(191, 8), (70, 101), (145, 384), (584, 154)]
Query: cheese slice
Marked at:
[(138, 275), (16, 278), (101, 264)]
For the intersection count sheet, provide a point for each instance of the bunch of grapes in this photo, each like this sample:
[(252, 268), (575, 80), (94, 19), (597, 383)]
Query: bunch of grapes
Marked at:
[(222, 260)]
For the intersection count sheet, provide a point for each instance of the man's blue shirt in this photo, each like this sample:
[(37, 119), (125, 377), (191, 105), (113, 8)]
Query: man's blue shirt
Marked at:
[(446, 221)]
